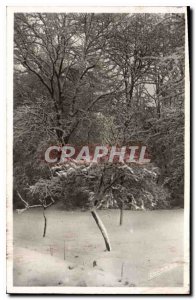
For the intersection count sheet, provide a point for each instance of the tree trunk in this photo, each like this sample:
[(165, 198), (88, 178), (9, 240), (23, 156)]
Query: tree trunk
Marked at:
[(121, 214), (102, 229), (45, 223)]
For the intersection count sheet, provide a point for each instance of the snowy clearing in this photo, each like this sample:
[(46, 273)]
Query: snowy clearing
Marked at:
[(147, 250)]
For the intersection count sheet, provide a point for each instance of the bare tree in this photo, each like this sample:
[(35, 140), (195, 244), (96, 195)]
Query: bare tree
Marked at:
[(62, 50)]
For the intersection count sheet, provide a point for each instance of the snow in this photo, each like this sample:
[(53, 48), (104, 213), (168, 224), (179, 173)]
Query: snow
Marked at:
[(147, 250)]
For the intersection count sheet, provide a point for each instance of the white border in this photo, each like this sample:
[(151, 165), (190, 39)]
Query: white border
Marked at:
[(89, 290), (97, 9), (187, 166)]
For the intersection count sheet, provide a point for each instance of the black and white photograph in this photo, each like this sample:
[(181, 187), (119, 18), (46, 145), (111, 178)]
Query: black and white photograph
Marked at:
[(98, 125)]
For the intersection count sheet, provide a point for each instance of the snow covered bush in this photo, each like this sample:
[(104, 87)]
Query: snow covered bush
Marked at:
[(103, 186)]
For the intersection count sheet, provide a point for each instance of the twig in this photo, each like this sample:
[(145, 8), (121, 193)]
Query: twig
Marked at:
[(64, 250), (122, 269), (26, 204)]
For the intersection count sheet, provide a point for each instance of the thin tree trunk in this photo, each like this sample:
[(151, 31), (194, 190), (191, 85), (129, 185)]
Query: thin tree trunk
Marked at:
[(45, 223), (121, 214), (102, 229)]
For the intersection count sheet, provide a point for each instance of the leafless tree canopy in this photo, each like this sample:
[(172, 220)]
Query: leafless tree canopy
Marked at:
[(99, 78)]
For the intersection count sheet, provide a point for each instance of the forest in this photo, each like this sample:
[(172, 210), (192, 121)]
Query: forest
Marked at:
[(99, 79)]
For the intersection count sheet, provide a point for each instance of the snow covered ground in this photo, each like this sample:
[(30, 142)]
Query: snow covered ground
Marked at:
[(147, 250)]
